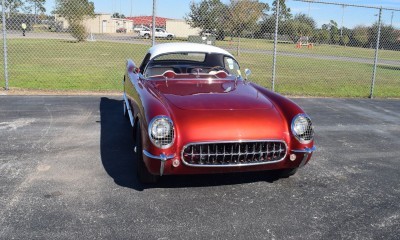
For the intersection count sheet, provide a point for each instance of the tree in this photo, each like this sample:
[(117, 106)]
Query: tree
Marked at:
[(360, 35), (12, 6), (334, 30), (244, 15), (303, 18), (335, 38), (388, 39), (37, 6), (75, 12), (208, 15), (345, 40), (267, 25), (296, 29), (118, 15), (301, 25), (284, 12), (322, 35)]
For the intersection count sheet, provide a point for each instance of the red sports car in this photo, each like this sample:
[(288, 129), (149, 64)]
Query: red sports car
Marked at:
[(193, 112)]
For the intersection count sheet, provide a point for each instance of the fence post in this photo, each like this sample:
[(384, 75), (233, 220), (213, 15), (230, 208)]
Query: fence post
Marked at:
[(275, 45), (371, 95), (153, 29), (5, 45), (238, 46)]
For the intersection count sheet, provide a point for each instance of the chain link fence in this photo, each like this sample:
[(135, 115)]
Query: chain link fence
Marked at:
[(297, 47)]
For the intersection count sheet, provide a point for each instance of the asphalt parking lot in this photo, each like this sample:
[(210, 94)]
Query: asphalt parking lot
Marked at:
[(67, 172)]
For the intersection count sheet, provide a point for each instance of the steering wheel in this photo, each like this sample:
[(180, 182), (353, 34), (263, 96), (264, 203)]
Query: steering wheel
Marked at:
[(218, 68), (197, 70)]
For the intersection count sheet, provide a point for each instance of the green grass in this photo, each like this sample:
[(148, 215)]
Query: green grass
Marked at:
[(318, 49), (99, 66), (65, 65), (327, 78)]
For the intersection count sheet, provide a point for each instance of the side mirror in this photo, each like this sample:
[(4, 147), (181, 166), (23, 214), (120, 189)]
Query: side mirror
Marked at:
[(247, 72), (131, 66)]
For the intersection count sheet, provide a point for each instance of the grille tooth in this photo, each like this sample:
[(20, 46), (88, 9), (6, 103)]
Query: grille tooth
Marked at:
[(273, 151), (254, 153), (201, 156), (234, 153), (191, 157)]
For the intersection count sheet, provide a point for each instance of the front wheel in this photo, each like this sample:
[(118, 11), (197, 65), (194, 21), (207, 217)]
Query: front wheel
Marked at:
[(169, 37), (147, 36), (143, 174)]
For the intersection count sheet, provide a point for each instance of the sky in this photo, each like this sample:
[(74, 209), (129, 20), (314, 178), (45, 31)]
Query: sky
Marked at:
[(322, 13)]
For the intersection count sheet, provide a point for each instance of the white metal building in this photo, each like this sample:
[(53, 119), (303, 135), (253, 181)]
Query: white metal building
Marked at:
[(101, 23), (180, 28)]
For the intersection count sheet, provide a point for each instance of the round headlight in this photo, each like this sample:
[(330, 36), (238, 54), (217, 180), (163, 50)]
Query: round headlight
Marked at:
[(161, 132), (302, 128), (160, 128)]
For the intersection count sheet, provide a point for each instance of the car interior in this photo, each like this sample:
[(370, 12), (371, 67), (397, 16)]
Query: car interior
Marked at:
[(211, 64)]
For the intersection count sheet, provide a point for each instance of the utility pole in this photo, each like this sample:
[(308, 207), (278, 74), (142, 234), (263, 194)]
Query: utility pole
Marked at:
[(131, 7), (341, 29), (391, 19)]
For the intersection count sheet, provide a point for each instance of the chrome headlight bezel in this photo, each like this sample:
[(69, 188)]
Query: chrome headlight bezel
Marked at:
[(305, 134), (168, 139)]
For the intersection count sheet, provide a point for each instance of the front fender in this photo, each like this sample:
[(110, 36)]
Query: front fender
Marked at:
[(288, 110), (153, 105)]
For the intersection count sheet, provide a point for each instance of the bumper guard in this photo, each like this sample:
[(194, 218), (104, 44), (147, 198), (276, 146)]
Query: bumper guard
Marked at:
[(162, 157), (306, 151)]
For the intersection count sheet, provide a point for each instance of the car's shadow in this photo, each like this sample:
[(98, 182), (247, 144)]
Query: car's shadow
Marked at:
[(118, 157)]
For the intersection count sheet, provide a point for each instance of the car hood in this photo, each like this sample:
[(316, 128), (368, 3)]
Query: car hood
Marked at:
[(212, 95)]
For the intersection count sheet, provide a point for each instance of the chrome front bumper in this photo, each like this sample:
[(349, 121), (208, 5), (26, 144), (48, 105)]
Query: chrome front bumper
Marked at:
[(306, 151), (162, 157)]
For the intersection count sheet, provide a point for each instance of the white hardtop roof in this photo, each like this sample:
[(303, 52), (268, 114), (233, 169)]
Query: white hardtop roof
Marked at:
[(185, 47)]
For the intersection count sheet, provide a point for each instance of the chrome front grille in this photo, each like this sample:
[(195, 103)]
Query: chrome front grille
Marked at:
[(225, 154)]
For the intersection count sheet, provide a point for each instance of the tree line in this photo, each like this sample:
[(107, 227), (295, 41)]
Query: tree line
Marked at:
[(237, 18), (29, 11), (35, 7), (252, 18)]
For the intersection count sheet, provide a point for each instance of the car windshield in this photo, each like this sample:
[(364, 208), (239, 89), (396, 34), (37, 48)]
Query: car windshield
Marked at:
[(194, 57), (193, 64)]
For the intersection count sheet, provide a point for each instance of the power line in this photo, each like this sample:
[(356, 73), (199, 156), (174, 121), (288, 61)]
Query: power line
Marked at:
[(348, 5)]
